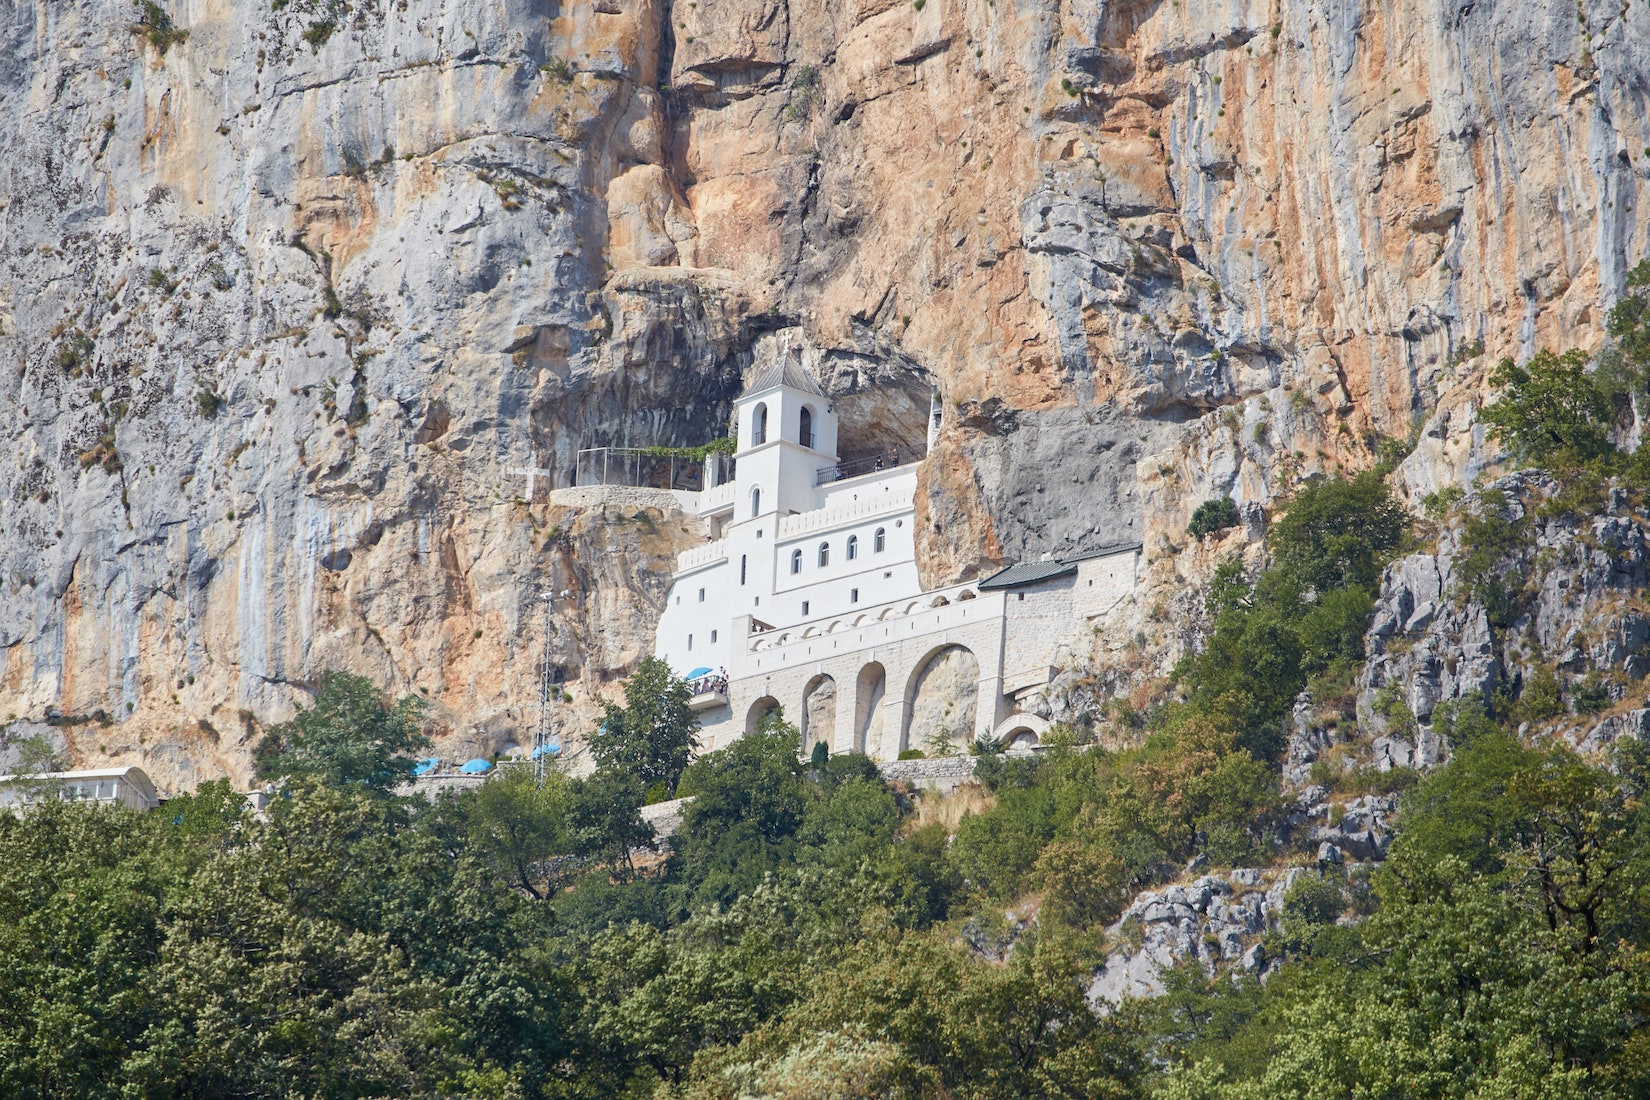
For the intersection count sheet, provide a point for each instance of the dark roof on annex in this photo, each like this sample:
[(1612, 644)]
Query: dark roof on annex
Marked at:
[(1033, 572)]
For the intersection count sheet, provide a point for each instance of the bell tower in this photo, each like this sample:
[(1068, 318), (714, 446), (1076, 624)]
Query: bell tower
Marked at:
[(787, 433)]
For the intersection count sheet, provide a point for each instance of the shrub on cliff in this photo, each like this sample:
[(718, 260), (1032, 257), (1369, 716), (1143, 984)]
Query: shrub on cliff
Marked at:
[(1552, 411), (1304, 616), (1212, 516)]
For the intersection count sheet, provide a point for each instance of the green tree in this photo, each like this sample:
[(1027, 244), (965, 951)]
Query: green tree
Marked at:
[(349, 737), (1338, 534), (604, 818), (1212, 516), (517, 823), (748, 803), (1304, 616), (1552, 411), (655, 733)]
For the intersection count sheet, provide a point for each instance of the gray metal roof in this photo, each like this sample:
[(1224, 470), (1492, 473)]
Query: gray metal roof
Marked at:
[(1031, 572), (1026, 572), (785, 372), (1104, 551)]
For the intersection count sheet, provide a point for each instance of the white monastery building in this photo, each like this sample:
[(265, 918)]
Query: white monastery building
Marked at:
[(807, 597)]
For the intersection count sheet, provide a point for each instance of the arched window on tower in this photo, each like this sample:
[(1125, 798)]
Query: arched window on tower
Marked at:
[(805, 433), (796, 561), (853, 547), (756, 503), (759, 426), (824, 554), (879, 542)]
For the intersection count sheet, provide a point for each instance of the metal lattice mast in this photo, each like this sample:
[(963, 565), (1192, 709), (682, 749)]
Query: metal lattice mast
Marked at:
[(541, 736)]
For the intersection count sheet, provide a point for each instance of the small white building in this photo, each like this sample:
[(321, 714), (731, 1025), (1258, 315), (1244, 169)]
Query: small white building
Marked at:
[(807, 596), (128, 786)]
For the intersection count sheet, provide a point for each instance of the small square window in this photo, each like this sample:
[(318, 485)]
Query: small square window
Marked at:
[(1022, 595)]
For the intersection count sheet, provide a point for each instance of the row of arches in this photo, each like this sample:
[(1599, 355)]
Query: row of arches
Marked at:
[(804, 426), (864, 619), (938, 712)]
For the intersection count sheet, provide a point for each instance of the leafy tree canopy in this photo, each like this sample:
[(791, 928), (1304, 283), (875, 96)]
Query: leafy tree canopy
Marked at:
[(655, 733), (1552, 410), (349, 737)]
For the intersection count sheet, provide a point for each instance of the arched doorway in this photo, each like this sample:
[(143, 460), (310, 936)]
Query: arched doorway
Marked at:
[(760, 710), (873, 684), (818, 712), (942, 700)]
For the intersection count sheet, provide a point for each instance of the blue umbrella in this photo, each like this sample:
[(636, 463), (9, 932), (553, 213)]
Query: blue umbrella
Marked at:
[(549, 749), (427, 765), (696, 673), (476, 766)]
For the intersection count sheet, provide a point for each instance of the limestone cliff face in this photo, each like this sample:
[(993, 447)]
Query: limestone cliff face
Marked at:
[(286, 303)]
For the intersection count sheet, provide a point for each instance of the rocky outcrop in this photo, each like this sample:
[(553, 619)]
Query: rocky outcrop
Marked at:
[(1222, 920), (291, 297), (1560, 598), (1214, 919)]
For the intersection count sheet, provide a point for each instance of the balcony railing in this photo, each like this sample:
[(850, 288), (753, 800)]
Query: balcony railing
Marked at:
[(844, 470), (707, 692), (655, 468)]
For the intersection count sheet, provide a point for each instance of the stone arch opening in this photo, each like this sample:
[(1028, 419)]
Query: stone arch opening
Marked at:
[(1021, 731), (818, 712), (872, 686), (942, 700), (759, 710), (1020, 737)]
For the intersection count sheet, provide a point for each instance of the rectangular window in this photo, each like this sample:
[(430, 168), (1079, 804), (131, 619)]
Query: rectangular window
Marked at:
[(853, 596), (804, 607), (1022, 595), (701, 595), (713, 637), (690, 641)]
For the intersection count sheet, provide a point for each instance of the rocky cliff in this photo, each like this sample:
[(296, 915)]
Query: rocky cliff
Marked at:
[(292, 296)]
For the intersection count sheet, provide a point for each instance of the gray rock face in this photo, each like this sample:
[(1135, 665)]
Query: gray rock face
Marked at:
[(1214, 919), (1432, 642), (291, 305)]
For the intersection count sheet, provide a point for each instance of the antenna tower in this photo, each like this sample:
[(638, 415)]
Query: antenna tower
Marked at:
[(548, 680)]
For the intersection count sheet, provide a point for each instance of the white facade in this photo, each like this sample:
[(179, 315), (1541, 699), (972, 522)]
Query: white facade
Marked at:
[(787, 548), (808, 597), (128, 786)]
